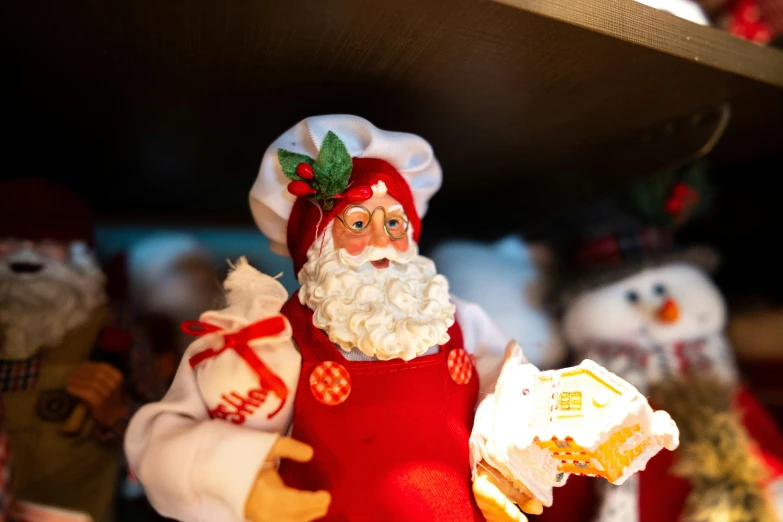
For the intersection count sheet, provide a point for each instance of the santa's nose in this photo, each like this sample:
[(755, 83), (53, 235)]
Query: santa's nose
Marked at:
[(379, 236), (669, 312), (26, 268)]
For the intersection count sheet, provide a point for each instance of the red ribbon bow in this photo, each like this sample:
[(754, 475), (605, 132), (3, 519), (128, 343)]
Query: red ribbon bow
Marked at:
[(238, 341)]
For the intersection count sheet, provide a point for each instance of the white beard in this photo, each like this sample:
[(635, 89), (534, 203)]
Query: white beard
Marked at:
[(399, 312), (38, 309)]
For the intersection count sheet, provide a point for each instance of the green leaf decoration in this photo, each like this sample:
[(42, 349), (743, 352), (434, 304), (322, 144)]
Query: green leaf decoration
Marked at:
[(289, 160), (333, 166), (647, 200), (332, 169)]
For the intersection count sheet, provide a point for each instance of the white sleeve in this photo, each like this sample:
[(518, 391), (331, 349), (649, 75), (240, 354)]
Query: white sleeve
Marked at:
[(484, 340), (194, 468)]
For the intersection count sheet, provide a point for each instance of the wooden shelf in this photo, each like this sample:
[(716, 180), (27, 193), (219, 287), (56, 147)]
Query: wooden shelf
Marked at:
[(660, 31), (165, 108)]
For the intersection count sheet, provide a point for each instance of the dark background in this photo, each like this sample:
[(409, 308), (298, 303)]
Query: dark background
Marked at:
[(159, 112)]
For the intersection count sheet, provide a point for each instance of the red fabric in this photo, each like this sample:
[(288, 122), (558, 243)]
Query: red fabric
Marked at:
[(238, 341), (397, 448), (576, 501), (305, 215), (662, 495), (772, 14), (115, 339), (763, 430), (613, 249), (35, 209), (747, 21)]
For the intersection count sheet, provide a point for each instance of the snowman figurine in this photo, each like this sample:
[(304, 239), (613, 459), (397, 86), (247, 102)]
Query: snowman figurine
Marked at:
[(659, 324)]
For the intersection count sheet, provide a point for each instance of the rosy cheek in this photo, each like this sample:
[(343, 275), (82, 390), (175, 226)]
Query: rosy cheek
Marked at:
[(355, 246), (401, 245), (352, 244)]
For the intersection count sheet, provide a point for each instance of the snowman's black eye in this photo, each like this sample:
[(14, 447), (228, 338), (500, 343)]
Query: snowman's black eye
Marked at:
[(632, 296), (659, 289)]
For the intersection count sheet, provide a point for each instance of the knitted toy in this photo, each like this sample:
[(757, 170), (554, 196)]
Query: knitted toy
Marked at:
[(508, 279), (67, 364), (716, 454), (171, 278), (650, 313)]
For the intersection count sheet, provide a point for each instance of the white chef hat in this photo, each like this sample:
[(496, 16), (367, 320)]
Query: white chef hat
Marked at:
[(410, 155)]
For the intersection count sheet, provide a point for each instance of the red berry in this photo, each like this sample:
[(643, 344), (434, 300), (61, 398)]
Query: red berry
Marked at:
[(680, 190), (300, 188), (305, 171), (673, 206), (358, 193)]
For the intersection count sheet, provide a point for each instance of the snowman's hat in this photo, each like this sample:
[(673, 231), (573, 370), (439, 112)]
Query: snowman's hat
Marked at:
[(636, 232), (610, 258)]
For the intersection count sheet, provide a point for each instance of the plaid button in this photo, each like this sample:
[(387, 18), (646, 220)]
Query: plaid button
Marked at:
[(20, 375), (460, 367), (330, 383)]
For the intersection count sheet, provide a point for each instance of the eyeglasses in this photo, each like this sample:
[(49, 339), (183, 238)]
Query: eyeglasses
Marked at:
[(357, 219)]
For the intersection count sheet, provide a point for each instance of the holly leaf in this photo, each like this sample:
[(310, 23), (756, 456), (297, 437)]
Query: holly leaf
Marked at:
[(647, 199), (289, 160), (333, 166)]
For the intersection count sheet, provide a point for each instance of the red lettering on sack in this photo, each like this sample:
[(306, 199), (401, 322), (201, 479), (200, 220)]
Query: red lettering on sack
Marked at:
[(235, 408)]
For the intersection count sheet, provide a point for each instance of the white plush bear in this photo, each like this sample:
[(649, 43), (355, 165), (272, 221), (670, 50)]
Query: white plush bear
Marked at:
[(507, 279)]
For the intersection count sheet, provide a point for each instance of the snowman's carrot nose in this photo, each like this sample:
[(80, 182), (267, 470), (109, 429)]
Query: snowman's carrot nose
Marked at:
[(669, 312)]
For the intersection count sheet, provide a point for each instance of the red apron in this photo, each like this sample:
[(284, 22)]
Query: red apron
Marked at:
[(390, 438)]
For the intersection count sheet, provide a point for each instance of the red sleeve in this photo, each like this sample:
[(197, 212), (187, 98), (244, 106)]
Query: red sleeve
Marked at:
[(763, 430)]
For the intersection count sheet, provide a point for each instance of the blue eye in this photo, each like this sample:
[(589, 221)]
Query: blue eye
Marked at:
[(358, 225), (659, 289), (632, 297), (393, 223)]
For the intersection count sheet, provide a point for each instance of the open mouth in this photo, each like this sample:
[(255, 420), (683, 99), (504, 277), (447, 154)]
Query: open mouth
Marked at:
[(26, 268), (381, 263)]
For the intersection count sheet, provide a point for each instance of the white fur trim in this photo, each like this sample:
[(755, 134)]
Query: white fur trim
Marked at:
[(379, 189)]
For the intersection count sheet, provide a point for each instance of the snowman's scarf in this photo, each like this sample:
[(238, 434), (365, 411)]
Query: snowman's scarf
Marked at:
[(666, 367), (688, 355), (715, 452)]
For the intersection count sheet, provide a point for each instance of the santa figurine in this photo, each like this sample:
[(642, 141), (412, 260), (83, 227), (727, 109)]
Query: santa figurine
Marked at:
[(65, 397), (354, 399)]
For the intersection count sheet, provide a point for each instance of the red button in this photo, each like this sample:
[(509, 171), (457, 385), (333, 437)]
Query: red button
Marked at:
[(460, 367), (330, 383)]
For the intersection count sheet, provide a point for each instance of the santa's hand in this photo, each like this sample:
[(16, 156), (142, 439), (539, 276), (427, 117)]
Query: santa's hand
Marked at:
[(99, 385), (497, 498), (270, 500)]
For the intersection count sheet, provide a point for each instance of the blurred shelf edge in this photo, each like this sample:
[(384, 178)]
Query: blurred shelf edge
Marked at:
[(568, 100), (661, 31)]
